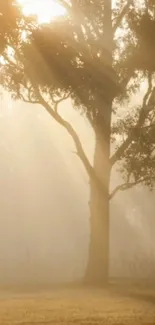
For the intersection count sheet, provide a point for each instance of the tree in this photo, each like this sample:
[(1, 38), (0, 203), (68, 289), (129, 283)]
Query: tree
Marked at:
[(88, 56)]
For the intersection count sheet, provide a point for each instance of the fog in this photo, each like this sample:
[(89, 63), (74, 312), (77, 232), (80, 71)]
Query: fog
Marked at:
[(44, 196)]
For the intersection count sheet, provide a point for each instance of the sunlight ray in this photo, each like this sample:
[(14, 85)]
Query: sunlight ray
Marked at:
[(45, 10)]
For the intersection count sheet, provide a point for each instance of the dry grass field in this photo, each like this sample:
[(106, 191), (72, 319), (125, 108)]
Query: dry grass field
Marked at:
[(83, 306)]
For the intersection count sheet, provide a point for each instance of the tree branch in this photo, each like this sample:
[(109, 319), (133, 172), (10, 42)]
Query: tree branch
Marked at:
[(121, 187), (122, 14), (125, 186), (80, 151), (28, 101), (72, 132), (57, 102), (143, 113)]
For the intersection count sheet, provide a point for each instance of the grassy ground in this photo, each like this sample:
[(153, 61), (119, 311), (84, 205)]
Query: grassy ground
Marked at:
[(78, 306)]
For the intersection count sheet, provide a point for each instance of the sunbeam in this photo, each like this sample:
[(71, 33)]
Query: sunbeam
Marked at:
[(44, 10)]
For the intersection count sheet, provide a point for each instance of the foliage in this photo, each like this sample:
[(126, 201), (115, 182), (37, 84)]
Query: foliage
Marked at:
[(9, 17), (73, 57)]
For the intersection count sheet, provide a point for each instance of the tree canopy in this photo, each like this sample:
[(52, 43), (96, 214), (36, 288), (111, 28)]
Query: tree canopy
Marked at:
[(70, 57)]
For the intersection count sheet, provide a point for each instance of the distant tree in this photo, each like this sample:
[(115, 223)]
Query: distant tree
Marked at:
[(99, 55)]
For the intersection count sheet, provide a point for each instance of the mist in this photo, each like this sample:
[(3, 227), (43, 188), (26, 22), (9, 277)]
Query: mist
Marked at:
[(44, 233)]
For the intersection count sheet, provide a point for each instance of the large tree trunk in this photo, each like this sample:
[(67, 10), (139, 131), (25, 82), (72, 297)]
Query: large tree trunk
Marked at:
[(98, 260), (97, 271)]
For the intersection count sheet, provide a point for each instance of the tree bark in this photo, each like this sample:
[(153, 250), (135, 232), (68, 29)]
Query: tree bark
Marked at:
[(97, 270)]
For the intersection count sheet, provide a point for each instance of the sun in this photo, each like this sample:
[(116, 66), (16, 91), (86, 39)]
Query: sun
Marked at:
[(44, 9)]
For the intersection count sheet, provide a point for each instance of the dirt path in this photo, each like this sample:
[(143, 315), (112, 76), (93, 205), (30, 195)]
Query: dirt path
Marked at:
[(83, 307)]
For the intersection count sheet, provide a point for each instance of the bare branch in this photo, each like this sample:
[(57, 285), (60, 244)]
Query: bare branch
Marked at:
[(121, 187), (80, 151), (64, 97), (29, 101), (71, 131), (58, 101), (125, 186)]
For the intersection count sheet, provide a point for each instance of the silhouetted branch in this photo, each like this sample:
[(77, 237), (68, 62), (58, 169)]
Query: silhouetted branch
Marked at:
[(53, 112), (125, 186), (71, 131), (29, 101), (27, 98), (121, 187), (80, 151), (58, 101), (142, 116)]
